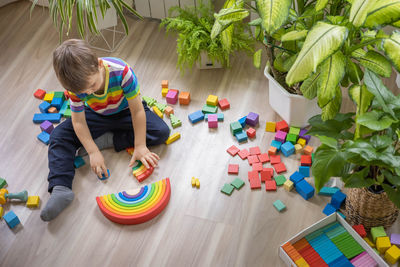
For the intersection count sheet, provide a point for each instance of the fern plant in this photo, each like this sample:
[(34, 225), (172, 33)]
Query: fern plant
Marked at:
[(194, 26)]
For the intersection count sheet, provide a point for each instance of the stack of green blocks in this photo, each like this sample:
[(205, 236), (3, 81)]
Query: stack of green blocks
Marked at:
[(228, 188), (293, 135), (149, 100), (160, 106)]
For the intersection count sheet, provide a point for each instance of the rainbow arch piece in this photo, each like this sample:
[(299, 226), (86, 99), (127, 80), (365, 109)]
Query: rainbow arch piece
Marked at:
[(138, 205)]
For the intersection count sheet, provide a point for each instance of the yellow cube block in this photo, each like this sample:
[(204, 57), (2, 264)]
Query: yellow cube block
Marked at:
[(369, 242), (173, 138), (298, 148), (48, 97), (197, 183), (164, 92), (392, 255), (383, 244), (158, 112), (288, 185), (301, 262), (193, 182), (302, 142), (212, 100), (1, 212), (33, 202), (270, 126)]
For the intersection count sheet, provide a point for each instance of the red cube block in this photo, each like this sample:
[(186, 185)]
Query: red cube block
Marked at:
[(39, 94), (255, 150), (263, 158), (244, 153), (233, 168), (255, 183), (66, 95), (282, 126), (223, 104), (360, 230), (275, 159), (270, 185), (251, 133), (253, 175), (252, 159), (280, 167), (266, 174), (233, 150), (257, 166), (305, 160)]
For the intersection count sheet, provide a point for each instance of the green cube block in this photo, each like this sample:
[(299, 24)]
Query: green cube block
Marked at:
[(292, 138), (294, 130), (236, 127), (3, 183), (149, 100), (67, 113), (59, 95), (227, 189), (209, 109), (377, 232), (280, 179), (279, 205), (160, 106), (237, 183), (175, 122)]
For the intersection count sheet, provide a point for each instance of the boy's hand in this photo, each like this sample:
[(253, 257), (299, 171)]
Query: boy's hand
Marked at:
[(143, 154), (97, 164)]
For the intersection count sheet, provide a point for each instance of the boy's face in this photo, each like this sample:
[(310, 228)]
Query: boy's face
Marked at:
[(95, 82)]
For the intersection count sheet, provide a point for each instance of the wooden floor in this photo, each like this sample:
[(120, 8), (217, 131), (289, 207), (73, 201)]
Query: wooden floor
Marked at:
[(199, 227)]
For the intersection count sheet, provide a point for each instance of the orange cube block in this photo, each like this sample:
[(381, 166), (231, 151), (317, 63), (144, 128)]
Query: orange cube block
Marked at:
[(168, 110), (308, 150), (272, 150), (184, 98), (164, 84), (52, 110)]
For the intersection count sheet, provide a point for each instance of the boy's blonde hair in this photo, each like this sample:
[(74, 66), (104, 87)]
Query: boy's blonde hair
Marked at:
[(74, 62)]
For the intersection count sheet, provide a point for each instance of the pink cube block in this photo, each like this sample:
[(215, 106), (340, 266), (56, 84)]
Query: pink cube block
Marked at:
[(212, 121), (172, 96), (280, 136)]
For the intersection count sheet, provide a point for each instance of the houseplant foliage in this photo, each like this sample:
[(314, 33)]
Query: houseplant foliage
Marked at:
[(62, 12), (320, 46), (194, 28)]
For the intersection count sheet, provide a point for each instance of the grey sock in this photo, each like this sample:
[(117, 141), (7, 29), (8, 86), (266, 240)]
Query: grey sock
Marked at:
[(60, 198), (102, 142)]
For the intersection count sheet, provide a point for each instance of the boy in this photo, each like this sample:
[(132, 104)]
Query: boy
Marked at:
[(105, 106)]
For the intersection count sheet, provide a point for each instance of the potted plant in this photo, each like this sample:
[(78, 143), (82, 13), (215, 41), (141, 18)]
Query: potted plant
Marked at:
[(194, 44), (364, 152), (319, 47)]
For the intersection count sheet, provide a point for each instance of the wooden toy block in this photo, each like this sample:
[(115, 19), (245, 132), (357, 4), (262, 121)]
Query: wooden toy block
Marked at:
[(184, 98), (103, 176), (270, 185), (328, 191), (288, 185), (209, 109), (193, 182), (233, 150), (255, 183), (291, 138), (59, 94), (175, 122), (164, 83), (173, 138), (337, 199), (212, 100), (253, 175), (308, 150), (52, 110), (48, 97), (164, 92), (282, 126), (196, 116), (158, 112), (220, 116), (44, 107), (280, 136), (130, 150), (160, 106), (279, 167), (305, 170), (78, 162), (266, 174), (252, 119), (378, 231), (145, 175), (296, 177), (252, 159), (305, 160), (301, 141), (279, 205), (233, 168), (270, 126), (369, 242), (392, 255), (1, 212), (57, 102), (251, 133), (301, 263), (168, 111), (275, 159), (172, 96), (244, 153), (149, 100), (272, 150), (287, 149), (212, 121), (276, 144), (359, 228), (241, 136), (11, 219), (44, 137), (227, 189), (67, 113), (394, 238), (382, 244), (197, 183), (64, 107), (280, 180), (47, 127), (223, 104), (3, 183), (242, 121), (298, 148), (235, 127), (263, 158), (328, 210), (237, 183), (33, 202), (257, 166), (294, 130), (39, 94), (255, 150), (66, 95), (305, 189), (51, 117)]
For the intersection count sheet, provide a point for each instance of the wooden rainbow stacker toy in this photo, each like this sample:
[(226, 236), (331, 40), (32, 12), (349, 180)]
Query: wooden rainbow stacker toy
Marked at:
[(141, 172), (138, 205)]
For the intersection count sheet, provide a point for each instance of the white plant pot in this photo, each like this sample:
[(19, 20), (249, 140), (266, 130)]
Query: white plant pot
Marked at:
[(206, 63), (296, 110)]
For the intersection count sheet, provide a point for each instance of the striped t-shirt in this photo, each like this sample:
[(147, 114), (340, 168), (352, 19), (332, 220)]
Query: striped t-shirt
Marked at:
[(120, 85)]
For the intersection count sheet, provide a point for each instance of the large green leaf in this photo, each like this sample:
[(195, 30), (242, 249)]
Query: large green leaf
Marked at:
[(383, 12), (332, 128), (273, 13), (310, 86), (392, 49), (357, 179), (358, 12), (225, 17), (322, 41), (377, 63), (332, 72), (328, 141), (330, 110), (380, 142), (321, 4), (257, 59), (354, 71), (393, 194), (294, 35), (375, 120), (361, 97)]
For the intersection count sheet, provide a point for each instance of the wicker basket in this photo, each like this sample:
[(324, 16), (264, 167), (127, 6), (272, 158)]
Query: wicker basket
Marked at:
[(369, 209)]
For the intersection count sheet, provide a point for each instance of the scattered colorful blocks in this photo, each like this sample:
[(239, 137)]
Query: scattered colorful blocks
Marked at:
[(280, 180), (242, 121), (392, 255), (337, 199), (39, 94), (305, 160), (305, 189), (359, 228), (78, 162), (279, 205), (378, 231), (296, 177), (382, 244), (237, 183), (270, 126), (328, 191), (251, 132), (263, 158), (227, 189), (288, 185), (196, 116), (276, 144), (280, 136), (243, 154), (212, 100), (266, 174), (33, 202), (172, 96), (184, 98), (279, 167), (252, 119), (172, 138), (308, 150), (233, 168), (275, 159), (233, 150), (223, 104), (164, 83), (305, 171), (241, 136), (44, 107), (235, 127), (282, 126), (270, 185), (212, 121), (47, 127), (328, 210), (272, 150), (44, 137), (11, 219), (255, 150), (287, 149), (394, 238)]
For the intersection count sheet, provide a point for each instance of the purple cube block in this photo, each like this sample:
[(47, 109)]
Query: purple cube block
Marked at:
[(303, 135), (212, 121), (252, 119), (395, 239), (47, 127), (172, 97), (280, 136)]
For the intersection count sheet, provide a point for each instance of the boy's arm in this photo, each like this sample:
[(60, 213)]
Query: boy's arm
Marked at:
[(141, 151), (82, 132)]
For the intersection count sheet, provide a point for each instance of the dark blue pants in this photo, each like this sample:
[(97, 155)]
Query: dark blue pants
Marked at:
[(64, 142)]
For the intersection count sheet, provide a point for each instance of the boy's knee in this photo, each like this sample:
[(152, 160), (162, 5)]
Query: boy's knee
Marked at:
[(164, 133)]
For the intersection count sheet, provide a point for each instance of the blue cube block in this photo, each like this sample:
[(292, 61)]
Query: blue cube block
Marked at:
[(287, 149), (242, 121), (241, 136), (44, 137), (337, 199), (305, 189), (328, 191), (11, 219), (64, 107), (276, 144), (44, 107), (296, 177), (305, 170), (196, 116), (342, 261), (220, 116), (103, 177), (78, 162), (51, 117), (57, 103), (329, 209)]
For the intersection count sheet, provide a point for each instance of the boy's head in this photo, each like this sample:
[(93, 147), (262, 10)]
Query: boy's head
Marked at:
[(77, 67)]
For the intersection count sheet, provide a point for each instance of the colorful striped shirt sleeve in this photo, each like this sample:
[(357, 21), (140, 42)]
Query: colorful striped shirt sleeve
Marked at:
[(129, 84), (76, 103)]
